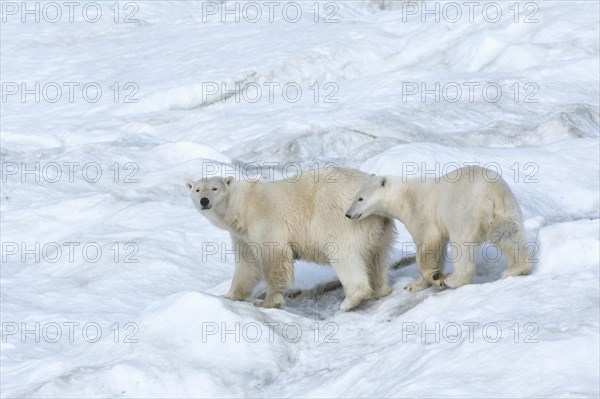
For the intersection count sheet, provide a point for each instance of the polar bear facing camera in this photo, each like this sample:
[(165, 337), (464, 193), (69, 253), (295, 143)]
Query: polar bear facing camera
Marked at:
[(466, 207), (274, 223)]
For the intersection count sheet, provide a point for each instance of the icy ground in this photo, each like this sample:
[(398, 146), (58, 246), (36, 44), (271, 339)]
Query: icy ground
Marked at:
[(165, 330)]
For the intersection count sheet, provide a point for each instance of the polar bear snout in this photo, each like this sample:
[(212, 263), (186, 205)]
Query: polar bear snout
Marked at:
[(353, 216), (204, 202)]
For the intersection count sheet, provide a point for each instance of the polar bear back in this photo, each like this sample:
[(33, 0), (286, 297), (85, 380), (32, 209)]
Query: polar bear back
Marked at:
[(308, 212), (471, 196)]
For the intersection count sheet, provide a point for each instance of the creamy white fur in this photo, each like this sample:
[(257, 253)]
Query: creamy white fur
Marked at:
[(466, 206), (304, 219)]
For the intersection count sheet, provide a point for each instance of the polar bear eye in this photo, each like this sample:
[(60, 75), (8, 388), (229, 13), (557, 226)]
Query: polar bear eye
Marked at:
[(214, 189), (360, 199), (197, 190)]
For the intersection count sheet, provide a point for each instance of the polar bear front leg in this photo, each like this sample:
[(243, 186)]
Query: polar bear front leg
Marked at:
[(430, 261), (246, 276), (279, 274)]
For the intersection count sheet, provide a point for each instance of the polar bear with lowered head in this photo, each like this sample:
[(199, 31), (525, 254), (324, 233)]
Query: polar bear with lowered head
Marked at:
[(274, 223), (465, 207)]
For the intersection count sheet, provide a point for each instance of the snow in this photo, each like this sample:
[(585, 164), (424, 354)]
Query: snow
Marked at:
[(124, 253)]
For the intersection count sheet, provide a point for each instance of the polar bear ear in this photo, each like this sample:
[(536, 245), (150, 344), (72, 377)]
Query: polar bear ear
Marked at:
[(228, 180), (382, 182), (189, 184)]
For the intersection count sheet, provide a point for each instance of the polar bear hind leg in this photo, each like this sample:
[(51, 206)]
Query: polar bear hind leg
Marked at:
[(353, 275), (464, 264), (378, 274), (509, 236)]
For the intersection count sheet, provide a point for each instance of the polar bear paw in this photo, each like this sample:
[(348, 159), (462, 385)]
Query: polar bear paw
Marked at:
[(438, 280), (418, 285), (454, 280), (382, 292), (349, 303), (235, 297), (358, 294), (276, 301), (515, 272)]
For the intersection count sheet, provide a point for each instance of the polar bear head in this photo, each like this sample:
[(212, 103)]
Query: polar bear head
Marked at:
[(210, 194), (370, 198)]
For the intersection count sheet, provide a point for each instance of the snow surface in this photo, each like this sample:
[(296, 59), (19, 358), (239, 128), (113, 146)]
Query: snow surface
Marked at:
[(169, 302)]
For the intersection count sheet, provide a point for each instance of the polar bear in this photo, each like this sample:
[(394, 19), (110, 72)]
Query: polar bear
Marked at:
[(274, 223), (466, 207)]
